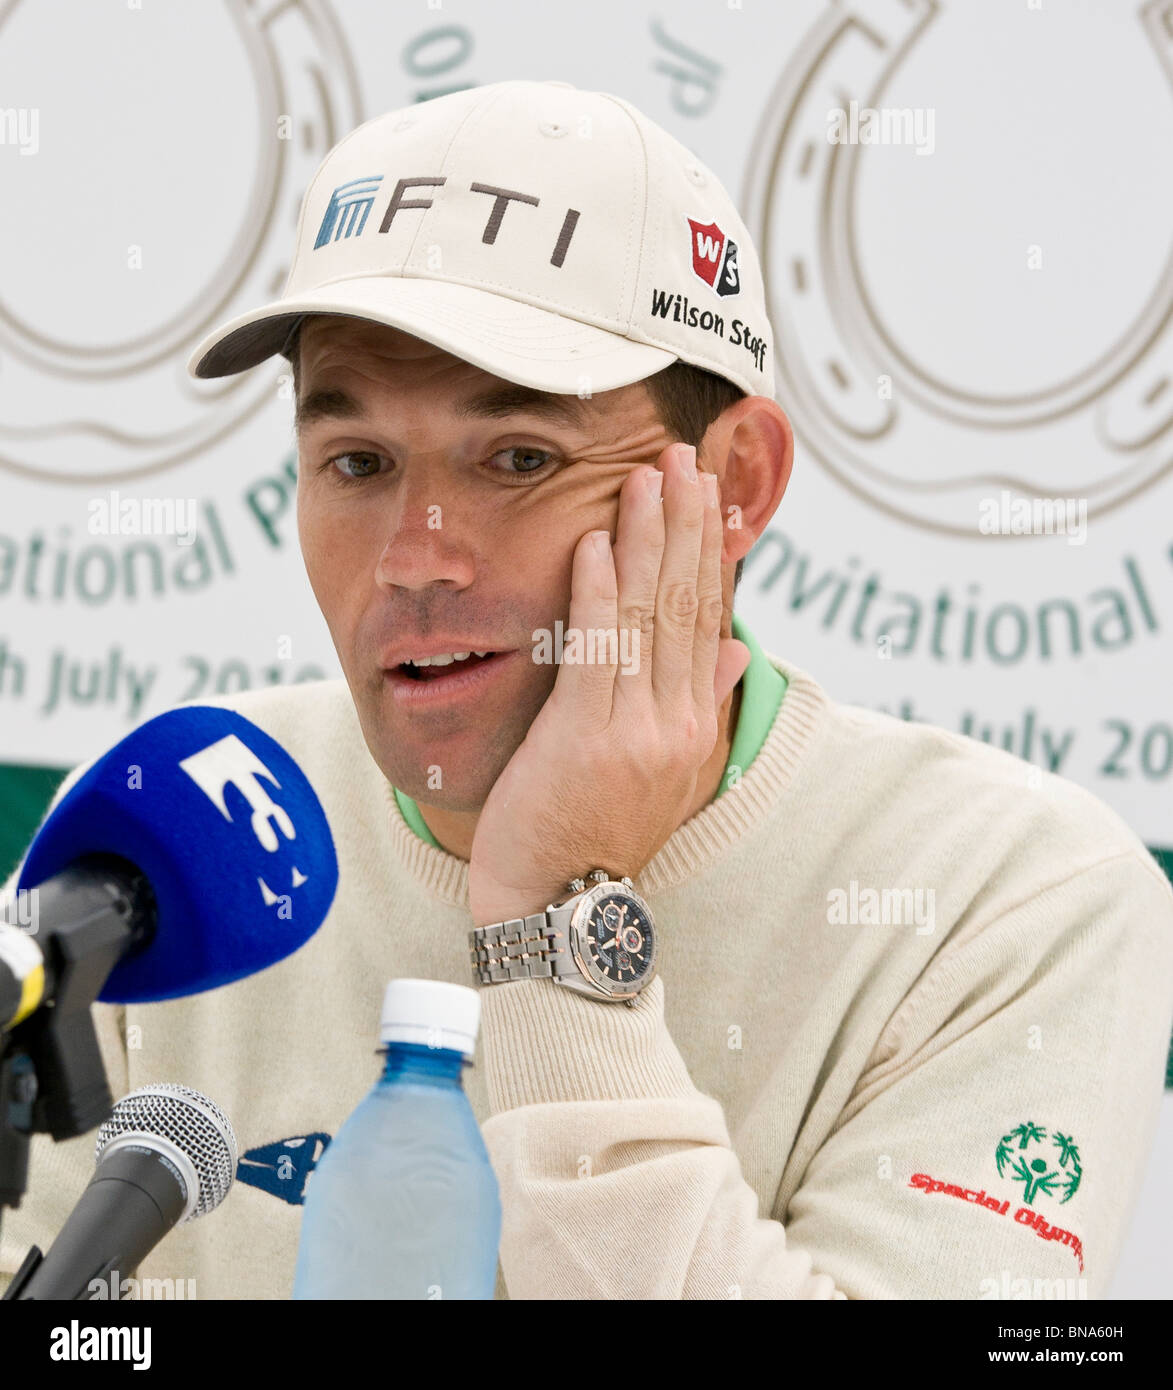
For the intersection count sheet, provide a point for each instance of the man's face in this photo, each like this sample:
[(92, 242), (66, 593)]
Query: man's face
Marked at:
[(427, 512)]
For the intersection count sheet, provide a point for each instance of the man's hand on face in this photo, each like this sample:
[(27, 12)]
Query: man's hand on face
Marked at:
[(609, 768)]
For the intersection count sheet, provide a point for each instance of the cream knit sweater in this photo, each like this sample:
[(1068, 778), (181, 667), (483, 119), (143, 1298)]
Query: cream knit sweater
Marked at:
[(829, 1091)]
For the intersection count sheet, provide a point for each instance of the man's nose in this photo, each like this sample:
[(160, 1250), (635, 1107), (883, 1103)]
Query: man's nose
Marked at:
[(425, 540)]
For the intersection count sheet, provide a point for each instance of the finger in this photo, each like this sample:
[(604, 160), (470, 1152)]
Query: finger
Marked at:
[(639, 546), (676, 592), (710, 606), (732, 663), (586, 677)]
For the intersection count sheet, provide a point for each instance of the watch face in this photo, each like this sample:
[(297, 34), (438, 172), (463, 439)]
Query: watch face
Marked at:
[(613, 939)]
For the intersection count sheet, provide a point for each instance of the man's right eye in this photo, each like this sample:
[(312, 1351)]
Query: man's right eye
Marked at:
[(355, 464)]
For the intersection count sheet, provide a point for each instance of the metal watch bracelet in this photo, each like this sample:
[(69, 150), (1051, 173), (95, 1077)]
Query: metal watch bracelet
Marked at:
[(524, 948)]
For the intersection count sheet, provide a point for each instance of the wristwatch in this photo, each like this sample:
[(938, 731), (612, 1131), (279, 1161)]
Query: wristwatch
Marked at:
[(600, 942)]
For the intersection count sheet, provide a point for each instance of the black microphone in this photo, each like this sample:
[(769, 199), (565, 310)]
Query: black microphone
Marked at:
[(166, 1155)]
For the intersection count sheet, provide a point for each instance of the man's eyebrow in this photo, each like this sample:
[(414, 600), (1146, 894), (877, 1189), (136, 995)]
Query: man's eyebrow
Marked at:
[(331, 403), (325, 403), (500, 401)]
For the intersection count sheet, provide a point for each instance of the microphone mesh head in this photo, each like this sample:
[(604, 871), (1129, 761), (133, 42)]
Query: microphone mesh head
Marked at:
[(189, 1120)]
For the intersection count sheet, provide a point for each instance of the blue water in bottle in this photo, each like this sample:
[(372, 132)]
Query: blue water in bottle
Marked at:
[(404, 1202)]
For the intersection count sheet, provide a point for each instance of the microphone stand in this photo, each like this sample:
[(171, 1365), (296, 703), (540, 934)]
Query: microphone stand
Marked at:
[(52, 1080), (18, 1088)]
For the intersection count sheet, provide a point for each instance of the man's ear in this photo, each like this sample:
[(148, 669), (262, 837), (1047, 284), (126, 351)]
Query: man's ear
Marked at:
[(752, 452)]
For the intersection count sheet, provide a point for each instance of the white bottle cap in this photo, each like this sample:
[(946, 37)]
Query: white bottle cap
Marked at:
[(431, 1012)]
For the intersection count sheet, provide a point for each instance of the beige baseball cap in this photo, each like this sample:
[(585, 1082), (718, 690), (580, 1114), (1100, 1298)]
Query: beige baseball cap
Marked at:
[(551, 236)]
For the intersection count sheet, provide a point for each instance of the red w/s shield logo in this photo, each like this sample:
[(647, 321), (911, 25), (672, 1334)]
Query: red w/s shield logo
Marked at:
[(714, 257)]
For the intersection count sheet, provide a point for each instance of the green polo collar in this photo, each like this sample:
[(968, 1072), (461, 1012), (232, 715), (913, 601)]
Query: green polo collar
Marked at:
[(762, 688)]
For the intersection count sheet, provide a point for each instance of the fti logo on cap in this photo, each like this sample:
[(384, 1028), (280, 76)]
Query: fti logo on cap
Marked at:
[(714, 258), (346, 212)]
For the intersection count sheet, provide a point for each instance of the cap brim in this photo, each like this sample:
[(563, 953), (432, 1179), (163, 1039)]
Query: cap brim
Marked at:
[(530, 346)]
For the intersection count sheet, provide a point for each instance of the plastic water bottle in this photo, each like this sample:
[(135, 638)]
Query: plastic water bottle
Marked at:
[(404, 1202)]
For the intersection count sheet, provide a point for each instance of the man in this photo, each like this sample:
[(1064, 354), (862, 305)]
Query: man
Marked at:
[(905, 1032)]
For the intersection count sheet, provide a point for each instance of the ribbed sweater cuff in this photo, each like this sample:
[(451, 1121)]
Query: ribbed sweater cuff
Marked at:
[(544, 1043)]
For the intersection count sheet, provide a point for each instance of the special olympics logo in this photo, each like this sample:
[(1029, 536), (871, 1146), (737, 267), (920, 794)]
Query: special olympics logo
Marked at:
[(1044, 1162)]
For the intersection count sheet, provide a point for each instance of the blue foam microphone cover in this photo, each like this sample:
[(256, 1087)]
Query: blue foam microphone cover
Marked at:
[(229, 833)]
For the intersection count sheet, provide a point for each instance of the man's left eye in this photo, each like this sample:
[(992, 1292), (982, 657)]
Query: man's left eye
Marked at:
[(528, 454)]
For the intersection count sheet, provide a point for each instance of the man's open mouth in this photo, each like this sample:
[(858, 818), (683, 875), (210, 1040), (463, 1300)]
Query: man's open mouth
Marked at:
[(437, 670)]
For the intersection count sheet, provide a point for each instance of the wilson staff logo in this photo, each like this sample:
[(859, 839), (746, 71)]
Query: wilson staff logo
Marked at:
[(714, 258)]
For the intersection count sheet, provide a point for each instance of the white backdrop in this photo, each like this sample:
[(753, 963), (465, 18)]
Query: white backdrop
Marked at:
[(970, 291)]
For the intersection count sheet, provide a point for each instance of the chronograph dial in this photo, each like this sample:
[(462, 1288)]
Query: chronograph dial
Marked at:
[(600, 942), (613, 939)]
